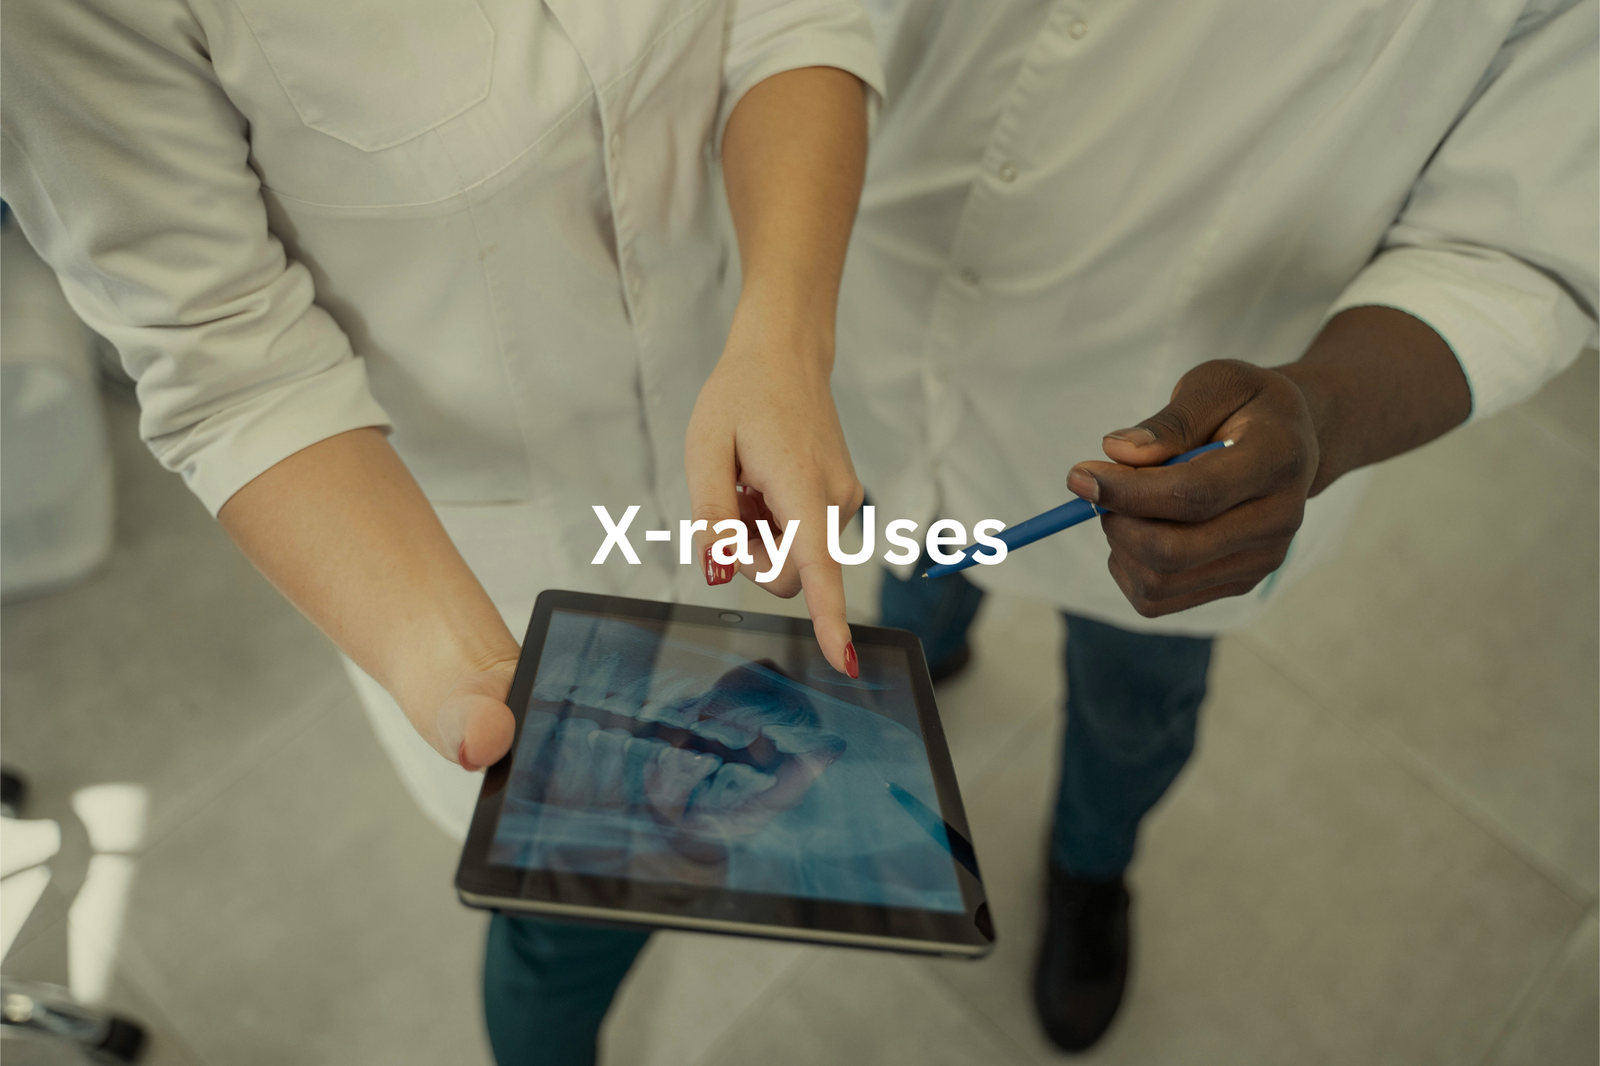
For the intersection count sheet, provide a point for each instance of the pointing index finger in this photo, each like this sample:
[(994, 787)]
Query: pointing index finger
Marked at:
[(821, 577)]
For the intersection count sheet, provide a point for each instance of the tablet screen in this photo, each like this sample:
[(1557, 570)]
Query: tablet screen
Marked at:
[(677, 752)]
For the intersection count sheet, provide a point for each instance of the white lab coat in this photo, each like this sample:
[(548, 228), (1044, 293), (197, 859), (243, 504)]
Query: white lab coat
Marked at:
[(490, 224), (1070, 204)]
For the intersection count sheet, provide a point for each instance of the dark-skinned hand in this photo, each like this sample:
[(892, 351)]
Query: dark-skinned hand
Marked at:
[(1216, 526)]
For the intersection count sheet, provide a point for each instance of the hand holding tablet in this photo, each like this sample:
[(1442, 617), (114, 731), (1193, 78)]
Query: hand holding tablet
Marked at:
[(684, 767)]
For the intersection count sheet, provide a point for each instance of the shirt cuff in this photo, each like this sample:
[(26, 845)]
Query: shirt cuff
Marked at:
[(225, 452), (1511, 327), (800, 33)]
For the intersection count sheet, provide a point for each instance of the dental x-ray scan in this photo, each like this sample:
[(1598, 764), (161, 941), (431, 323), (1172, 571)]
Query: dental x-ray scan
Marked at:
[(670, 751)]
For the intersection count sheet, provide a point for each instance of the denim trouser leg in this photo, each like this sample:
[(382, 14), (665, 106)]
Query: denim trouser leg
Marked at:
[(1133, 700), (547, 985), (939, 611)]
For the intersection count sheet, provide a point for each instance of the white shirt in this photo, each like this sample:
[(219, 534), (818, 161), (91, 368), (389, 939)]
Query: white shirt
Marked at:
[(1070, 204), (493, 225)]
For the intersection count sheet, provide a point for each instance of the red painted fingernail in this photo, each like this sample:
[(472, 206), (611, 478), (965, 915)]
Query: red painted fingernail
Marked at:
[(466, 764), (851, 666), (717, 573)]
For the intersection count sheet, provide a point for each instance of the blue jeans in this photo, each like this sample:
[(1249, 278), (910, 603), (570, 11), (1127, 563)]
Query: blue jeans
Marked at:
[(547, 986), (1133, 701)]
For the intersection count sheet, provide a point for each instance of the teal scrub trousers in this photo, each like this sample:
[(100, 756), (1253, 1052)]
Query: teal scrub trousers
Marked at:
[(547, 986)]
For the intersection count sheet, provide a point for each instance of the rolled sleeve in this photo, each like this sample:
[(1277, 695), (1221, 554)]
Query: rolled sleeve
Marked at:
[(220, 455), (1496, 247), (128, 168), (768, 37)]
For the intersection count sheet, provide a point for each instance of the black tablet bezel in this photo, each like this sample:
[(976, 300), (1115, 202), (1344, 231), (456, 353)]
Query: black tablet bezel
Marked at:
[(658, 904)]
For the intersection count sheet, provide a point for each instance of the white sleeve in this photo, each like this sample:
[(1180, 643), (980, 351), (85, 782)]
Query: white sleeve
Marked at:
[(128, 168), (1496, 247), (767, 37)]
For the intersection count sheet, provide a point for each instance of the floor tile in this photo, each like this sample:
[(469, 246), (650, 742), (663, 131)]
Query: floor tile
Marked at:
[(1300, 898), (1561, 1026), (848, 1006), (1461, 619), (307, 916), (51, 908), (1014, 673), (172, 661), (69, 866), (685, 992), (1007, 809), (1572, 401)]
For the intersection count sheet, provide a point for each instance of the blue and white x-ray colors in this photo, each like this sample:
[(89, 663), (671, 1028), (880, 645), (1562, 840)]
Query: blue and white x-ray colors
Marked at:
[(672, 751)]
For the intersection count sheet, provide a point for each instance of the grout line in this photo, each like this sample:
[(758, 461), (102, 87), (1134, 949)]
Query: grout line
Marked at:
[(996, 766), (132, 961), (1430, 777), (1018, 1053), (1535, 988), (236, 770), (978, 776), (135, 968), (217, 784), (789, 976)]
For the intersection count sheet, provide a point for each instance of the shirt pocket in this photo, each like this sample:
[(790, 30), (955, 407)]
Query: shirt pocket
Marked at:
[(375, 73), (399, 110)]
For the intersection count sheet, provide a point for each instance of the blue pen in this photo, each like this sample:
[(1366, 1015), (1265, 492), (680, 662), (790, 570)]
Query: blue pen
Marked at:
[(1052, 521)]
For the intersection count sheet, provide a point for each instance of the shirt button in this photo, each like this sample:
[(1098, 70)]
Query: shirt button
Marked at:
[(1077, 30), (969, 276), (1007, 172)]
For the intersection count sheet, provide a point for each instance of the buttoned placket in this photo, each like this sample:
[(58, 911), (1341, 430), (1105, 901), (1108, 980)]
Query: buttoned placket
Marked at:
[(632, 283), (633, 294), (964, 281)]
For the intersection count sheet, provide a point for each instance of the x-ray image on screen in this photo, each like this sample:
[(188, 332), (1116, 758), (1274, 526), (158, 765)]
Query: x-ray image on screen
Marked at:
[(671, 751)]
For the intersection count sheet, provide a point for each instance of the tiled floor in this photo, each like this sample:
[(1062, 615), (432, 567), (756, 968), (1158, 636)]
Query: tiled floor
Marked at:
[(1385, 852)]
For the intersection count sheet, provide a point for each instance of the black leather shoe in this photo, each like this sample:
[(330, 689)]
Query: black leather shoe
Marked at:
[(1083, 962)]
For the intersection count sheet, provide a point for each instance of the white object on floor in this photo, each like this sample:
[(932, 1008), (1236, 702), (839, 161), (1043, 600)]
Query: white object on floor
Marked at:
[(94, 927), (19, 894), (27, 843), (24, 847), (114, 815), (55, 461)]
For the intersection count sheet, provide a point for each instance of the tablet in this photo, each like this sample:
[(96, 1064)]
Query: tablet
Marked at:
[(692, 768)]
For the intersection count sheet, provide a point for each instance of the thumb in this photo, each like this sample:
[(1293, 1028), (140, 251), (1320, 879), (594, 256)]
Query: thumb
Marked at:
[(1203, 400), (474, 726)]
